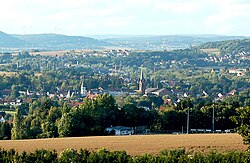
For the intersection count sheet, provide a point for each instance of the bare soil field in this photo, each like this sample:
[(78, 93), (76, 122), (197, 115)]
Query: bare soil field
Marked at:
[(2, 73), (135, 144), (211, 50), (50, 53), (56, 53)]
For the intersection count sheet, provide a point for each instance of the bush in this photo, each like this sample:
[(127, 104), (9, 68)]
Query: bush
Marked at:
[(39, 156), (68, 155), (83, 155), (174, 155), (105, 156), (8, 156)]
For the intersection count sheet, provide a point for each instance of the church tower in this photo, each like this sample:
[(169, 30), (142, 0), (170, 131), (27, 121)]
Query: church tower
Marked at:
[(141, 83), (83, 91)]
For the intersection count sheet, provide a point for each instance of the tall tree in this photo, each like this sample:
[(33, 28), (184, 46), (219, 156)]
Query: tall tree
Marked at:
[(242, 119), (16, 131)]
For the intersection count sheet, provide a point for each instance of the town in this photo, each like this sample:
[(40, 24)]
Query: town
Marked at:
[(154, 81)]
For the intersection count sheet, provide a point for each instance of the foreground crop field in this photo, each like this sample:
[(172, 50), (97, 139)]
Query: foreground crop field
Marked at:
[(134, 145)]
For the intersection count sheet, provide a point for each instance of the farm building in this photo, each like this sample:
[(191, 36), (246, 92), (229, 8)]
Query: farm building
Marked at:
[(121, 130)]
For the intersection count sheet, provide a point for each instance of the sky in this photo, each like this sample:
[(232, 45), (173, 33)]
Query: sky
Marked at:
[(125, 17)]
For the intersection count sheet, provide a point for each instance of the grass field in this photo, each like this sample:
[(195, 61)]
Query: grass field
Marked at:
[(134, 145)]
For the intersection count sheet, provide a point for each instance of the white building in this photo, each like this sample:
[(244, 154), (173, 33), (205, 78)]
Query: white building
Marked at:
[(121, 130)]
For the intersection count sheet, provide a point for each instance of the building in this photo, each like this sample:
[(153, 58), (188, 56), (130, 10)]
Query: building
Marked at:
[(83, 91), (142, 84), (158, 92), (121, 130)]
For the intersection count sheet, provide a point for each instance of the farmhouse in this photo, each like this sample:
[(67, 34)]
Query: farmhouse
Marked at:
[(121, 130)]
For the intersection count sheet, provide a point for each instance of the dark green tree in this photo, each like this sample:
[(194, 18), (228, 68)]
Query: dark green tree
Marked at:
[(242, 119), (16, 131)]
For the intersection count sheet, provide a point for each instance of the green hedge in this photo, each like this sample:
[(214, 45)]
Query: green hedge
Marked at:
[(105, 156)]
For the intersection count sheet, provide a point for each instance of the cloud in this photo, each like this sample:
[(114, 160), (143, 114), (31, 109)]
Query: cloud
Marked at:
[(229, 11), (227, 14), (125, 16), (182, 7)]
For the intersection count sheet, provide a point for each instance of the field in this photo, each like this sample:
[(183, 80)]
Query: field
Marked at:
[(211, 51), (50, 53), (134, 145), (2, 73), (56, 53)]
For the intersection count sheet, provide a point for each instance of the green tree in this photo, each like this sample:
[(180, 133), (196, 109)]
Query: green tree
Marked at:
[(5, 130), (14, 91), (172, 119), (36, 127), (242, 119), (49, 127), (16, 131), (64, 125)]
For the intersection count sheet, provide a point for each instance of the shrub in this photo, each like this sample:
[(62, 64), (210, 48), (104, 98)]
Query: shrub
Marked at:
[(68, 155), (39, 156), (83, 155), (105, 156)]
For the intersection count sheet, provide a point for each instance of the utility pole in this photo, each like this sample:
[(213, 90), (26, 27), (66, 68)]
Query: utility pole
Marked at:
[(213, 120), (188, 121)]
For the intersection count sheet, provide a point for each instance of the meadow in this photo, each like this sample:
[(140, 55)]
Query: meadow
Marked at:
[(134, 144)]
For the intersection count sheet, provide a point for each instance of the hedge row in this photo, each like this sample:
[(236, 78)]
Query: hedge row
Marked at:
[(105, 156)]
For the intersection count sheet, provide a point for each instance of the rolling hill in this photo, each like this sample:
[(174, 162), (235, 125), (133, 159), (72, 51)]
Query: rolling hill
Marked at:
[(59, 42), (229, 46), (164, 42), (52, 41), (8, 41)]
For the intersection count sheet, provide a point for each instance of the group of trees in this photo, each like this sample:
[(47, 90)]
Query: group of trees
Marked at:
[(232, 46), (46, 118)]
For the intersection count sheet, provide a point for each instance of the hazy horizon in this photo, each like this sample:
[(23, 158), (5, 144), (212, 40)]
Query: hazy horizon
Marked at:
[(130, 17), (131, 35)]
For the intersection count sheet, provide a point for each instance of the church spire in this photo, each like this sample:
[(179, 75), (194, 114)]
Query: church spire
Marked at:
[(142, 83), (83, 91), (141, 77)]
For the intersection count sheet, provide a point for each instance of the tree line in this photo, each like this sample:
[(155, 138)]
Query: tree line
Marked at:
[(46, 118)]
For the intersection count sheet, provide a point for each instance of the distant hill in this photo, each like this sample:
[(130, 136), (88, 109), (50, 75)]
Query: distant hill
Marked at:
[(163, 42), (139, 42), (229, 46), (8, 41), (56, 41)]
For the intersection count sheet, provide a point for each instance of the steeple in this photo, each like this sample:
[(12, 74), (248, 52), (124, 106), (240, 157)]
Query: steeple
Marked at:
[(83, 91), (141, 77), (68, 94), (141, 83)]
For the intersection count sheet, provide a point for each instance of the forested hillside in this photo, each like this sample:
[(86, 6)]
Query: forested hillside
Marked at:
[(232, 47)]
